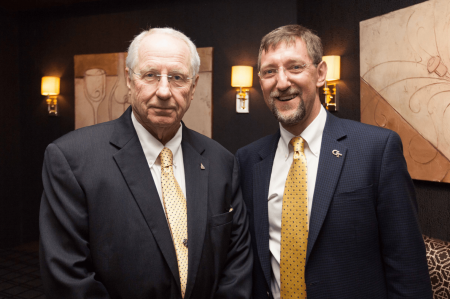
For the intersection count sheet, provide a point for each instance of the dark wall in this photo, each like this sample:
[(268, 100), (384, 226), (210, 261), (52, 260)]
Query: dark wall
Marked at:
[(49, 40), (43, 43), (10, 200), (337, 23)]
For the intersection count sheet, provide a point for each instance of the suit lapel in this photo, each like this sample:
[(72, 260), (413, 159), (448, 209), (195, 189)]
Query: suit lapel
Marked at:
[(328, 173), (197, 201), (261, 181), (133, 165)]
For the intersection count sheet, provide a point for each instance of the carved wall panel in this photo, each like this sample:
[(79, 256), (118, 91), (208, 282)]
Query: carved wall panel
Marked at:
[(405, 83), (101, 92)]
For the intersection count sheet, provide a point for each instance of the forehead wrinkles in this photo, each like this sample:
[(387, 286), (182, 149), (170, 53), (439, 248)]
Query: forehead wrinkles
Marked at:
[(150, 58), (164, 51), (159, 66), (282, 59), (285, 53)]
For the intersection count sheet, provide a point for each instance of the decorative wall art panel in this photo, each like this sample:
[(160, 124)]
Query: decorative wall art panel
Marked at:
[(405, 83), (101, 92)]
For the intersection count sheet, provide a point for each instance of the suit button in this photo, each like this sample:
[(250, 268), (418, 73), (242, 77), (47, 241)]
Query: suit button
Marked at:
[(268, 294)]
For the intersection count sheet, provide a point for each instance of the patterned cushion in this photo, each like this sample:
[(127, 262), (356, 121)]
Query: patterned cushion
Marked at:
[(438, 257)]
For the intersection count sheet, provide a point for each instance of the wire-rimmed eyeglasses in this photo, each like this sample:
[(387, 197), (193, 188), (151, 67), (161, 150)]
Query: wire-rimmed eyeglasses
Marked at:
[(271, 72), (176, 80)]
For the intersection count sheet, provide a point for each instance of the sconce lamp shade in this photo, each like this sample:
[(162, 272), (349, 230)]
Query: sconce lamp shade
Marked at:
[(241, 76), (50, 86), (334, 67)]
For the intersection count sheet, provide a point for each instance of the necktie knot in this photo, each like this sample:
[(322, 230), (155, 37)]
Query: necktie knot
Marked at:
[(298, 143), (166, 157)]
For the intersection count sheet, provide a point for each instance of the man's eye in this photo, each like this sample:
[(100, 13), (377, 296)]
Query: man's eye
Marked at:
[(269, 72), (177, 77), (150, 76), (297, 68)]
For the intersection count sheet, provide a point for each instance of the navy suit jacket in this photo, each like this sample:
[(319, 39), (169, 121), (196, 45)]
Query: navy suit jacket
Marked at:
[(103, 229), (364, 239)]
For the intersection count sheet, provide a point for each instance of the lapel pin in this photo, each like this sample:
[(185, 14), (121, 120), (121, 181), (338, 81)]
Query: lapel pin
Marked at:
[(231, 209), (185, 243), (201, 166), (336, 153)]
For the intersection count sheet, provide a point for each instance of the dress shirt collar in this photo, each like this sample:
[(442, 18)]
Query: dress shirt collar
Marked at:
[(312, 135), (152, 147)]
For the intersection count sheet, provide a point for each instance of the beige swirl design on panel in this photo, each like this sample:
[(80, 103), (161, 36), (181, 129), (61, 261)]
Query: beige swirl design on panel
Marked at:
[(405, 83)]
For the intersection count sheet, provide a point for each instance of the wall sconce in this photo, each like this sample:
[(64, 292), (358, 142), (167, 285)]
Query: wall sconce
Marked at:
[(242, 76), (331, 90), (50, 88)]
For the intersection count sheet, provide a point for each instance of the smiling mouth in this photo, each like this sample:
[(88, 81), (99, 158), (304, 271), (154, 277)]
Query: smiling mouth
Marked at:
[(287, 98)]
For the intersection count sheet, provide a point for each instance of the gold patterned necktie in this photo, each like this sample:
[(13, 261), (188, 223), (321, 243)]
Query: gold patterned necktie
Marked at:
[(294, 226), (176, 213)]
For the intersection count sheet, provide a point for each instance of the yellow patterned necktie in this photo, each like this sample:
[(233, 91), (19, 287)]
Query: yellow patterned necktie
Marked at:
[(294, 226), (176, 213)]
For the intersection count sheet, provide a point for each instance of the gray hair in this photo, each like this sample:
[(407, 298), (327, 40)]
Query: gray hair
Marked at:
[(288, 34), (133, 56)]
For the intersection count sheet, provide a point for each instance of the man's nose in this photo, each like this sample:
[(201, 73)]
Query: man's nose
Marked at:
[(163, 88), (283, 82)]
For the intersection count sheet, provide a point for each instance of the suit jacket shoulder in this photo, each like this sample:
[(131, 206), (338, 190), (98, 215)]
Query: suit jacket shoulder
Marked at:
[(261, 148), (366, 141), (84, 135), (201, 142), (87, 146), (355, 126)]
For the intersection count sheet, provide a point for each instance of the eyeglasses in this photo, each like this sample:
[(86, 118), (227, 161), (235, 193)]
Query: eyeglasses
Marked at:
[(292, 71), (176, 80)]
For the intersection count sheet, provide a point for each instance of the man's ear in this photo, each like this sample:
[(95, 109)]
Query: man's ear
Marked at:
[(128, 77), (321, 73), (194, 86)]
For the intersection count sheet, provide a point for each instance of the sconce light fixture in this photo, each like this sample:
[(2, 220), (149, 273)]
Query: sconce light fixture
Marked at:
[(242, 76), (331, 90), (50, 88)]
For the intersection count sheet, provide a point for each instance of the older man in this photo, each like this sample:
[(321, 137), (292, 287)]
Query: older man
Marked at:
[(143, 207), (332, 207)]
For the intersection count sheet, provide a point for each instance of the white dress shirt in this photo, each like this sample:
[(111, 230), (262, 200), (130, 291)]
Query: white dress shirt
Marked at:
[(152, 148), (281, 164)]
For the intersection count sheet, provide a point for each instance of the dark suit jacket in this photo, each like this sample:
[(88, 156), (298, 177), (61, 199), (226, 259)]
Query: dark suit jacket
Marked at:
[(364, 239), (103, 229)]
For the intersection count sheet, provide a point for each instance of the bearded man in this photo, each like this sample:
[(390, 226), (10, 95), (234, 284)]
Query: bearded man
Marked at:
[(332, 207)]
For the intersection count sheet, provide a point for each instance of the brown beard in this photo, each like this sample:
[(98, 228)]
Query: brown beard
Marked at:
[(297, 116)]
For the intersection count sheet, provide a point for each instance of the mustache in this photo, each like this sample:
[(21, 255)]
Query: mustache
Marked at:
[(291, 91)]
